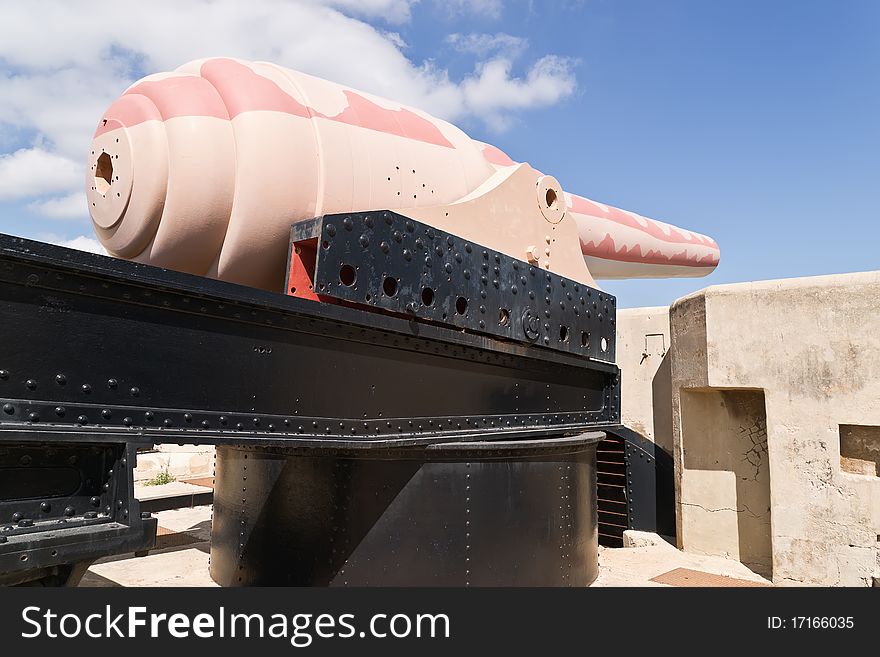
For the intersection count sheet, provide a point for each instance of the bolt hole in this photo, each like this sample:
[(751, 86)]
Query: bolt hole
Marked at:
[(550, 197), (461, 305), (325, 244), (503, 317), (563, 334), (428, 296), (347, 275), (585, 339), (23, 557), (603, 344), (389, 286)]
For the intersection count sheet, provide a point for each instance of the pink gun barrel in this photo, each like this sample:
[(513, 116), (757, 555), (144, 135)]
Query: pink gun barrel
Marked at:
[(619, 244), (204, 169)]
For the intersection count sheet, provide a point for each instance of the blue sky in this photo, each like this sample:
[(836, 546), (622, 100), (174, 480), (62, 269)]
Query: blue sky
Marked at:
[(753, 122)]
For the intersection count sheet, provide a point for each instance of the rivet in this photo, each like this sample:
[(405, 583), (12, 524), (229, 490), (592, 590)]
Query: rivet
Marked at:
[(60, 411), (331, 230), (30, 384), (205, 424), (149, 415), (9, 409), (364, 241), (448, 268), (86, 388), (4, 375), (347, 222), (168, 423), (127, 421), (60, 379), (106, 414), (33, 417), (16, 516), (135, 392), (112, 384), (95, 501), (82, 419), (187, 417)]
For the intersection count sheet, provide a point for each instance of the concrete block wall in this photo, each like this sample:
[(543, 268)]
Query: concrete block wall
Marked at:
[(776, 426), (181, 462), (643, 342)]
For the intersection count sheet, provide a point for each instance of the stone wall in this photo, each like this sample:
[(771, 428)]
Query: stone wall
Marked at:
[(776, 424), (181, 462), (643, 357)]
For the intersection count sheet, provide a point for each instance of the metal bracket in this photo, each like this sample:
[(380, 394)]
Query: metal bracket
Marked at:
[(388, 262)]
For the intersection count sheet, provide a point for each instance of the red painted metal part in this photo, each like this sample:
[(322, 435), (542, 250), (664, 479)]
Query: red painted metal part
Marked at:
[(301, 271)]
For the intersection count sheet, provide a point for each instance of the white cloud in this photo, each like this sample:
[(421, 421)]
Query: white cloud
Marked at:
[(32, 171), (487, 8), (61, 66), (482, 45), (72, 206), (393, 11), (492, 92), (81, 243)]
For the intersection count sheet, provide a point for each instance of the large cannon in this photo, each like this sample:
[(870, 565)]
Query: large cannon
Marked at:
[(204, 169), (403, 357)]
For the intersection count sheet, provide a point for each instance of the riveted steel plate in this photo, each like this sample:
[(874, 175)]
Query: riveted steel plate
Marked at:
[(99, 351), (66, 503), (116, 351), (509, 513), (388, 261)]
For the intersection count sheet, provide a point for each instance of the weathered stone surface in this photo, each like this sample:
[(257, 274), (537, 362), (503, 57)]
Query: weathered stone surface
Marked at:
[(643, 357), (636, 539), (180, 461), (768, 378)]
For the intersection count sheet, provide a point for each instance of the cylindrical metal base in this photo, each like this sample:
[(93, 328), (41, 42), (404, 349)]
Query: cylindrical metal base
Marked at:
[(518, 513)]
